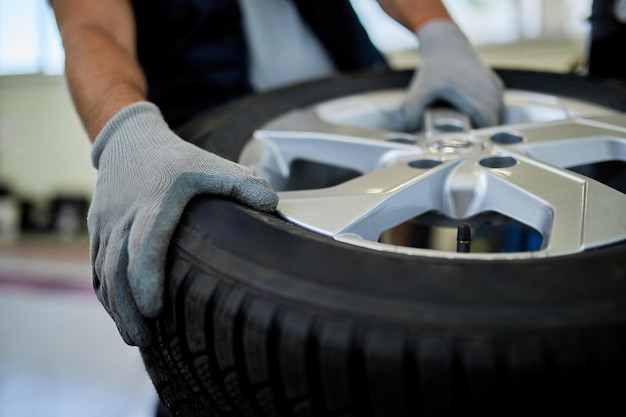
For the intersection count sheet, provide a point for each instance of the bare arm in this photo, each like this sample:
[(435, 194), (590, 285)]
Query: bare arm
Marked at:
[(413, 14), (100, 58)]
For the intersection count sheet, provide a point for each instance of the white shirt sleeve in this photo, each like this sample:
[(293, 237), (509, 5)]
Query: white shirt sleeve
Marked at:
[(282, 48), (620, 10)]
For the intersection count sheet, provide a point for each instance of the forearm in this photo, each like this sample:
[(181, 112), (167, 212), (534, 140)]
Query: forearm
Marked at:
[(413, 14), (102, 78), (101, 68)]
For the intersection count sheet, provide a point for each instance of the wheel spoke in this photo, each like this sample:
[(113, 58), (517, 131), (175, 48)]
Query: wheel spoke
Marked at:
[(309, 120), (572, 212), (358, 154), (567, 144), (370, 204), (302, 135)]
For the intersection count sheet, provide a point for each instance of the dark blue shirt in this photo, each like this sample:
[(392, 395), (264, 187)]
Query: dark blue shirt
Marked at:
[(194, 53)]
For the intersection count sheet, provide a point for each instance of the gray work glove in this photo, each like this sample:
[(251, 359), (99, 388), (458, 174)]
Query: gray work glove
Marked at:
[(452, 72), (146, 176)]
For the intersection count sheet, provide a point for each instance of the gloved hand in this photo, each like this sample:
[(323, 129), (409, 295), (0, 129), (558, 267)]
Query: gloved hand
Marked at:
[(146, 176), (452, 72)]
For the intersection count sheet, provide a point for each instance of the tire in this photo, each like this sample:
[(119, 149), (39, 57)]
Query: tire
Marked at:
[(265, 318)]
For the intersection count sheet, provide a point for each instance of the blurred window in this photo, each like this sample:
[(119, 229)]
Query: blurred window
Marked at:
[(29, 39), (487, 21), (30, 42)]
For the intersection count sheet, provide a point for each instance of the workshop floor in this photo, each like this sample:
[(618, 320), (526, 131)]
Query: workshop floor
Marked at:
[(60, 354)]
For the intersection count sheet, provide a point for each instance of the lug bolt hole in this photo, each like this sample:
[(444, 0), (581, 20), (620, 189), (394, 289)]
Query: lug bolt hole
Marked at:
[(498, 162), (448, 125), (424, 163), (507, 138), (402, 140)]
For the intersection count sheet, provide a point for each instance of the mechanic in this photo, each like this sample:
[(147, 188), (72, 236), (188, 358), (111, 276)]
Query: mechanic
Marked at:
[(137, 69)]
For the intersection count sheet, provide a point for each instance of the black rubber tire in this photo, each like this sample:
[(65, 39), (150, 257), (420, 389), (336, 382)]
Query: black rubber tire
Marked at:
[(263, 318)]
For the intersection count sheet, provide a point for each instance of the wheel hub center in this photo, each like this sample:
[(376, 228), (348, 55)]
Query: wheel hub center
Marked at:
[(455, 146)]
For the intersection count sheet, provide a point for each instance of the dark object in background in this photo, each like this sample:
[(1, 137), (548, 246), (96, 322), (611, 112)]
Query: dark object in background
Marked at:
[(9, 215), (68, 216), (607, 40), (63, 216), (32, 220)]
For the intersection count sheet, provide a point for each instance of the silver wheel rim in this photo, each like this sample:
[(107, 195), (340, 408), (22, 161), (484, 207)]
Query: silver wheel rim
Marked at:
[(518, 170)]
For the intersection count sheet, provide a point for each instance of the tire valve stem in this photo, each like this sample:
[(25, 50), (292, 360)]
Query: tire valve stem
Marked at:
[(464, 238)]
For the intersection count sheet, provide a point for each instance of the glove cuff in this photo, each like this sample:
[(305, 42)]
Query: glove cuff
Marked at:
[(423, 21), (442, 37), (130, 123)]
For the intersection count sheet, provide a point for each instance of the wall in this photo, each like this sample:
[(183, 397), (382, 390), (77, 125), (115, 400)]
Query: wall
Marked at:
[(44, 150)]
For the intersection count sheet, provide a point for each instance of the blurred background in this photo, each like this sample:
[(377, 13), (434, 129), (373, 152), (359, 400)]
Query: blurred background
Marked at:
[(60, 354)]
